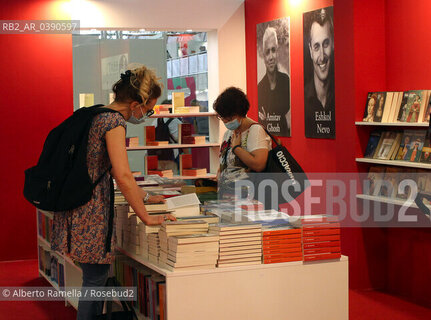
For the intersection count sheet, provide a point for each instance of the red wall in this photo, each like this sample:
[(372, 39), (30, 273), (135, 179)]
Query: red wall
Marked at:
[(37, 93), (379, 45)]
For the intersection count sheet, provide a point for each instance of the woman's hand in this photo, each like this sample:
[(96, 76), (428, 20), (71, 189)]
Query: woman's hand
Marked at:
[(236, 139), (158, 219), (156, 199)]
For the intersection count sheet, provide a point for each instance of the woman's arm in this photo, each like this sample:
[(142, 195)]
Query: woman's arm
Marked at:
[(115, 143), (255, 160)]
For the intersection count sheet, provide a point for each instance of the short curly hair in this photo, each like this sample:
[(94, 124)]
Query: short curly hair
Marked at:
[(231, 102)]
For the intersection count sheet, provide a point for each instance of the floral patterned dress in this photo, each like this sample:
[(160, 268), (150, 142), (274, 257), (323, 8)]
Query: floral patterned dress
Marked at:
[(88, 224)]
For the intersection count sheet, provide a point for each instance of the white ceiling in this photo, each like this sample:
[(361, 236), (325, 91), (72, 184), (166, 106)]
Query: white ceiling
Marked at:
[(199, 15)]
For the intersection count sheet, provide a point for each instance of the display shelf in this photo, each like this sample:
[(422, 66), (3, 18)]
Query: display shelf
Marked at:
[(398, 202), (173, 146), (185, 115), (397, 163), (52, 283), (392, 124)]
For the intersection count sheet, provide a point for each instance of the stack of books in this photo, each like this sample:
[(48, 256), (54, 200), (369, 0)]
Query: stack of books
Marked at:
[(153, 247), (150, 137), (197, 251), (240, 244), (177, 228), (320, 237), (186, 167), (133, 237), (151, 166), (281, 243), (144, 233)]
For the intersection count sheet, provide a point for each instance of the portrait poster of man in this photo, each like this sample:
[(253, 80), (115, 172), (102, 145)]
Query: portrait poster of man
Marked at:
[(273, 76), (319, 86)]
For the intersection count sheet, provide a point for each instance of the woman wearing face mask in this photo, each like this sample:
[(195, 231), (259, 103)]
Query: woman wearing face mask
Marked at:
[(245, 144), (89, 226)]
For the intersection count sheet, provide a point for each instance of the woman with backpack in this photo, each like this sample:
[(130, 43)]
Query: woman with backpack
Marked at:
[(86, 233)]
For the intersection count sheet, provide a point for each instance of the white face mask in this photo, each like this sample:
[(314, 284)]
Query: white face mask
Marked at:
[(144, 117)]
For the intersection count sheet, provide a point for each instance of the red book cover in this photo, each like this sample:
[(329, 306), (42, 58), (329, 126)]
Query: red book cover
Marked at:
[(323, 256), (184, 130), (193, 139), (266, 246), (321, 238), (296, 232), (151, 163), (282, 236), (322, 244), (185, 162), (320, 232), (317, 226), (252, 207), (268, 242), (322, 250), (150, 134), (282, 255), (267, 251), (268, 261)]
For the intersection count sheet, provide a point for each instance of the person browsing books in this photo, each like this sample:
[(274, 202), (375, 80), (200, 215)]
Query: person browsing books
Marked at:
[(245, 144), (86, 233)]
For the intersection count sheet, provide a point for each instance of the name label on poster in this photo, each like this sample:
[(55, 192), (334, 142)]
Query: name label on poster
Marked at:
[(323, 116)]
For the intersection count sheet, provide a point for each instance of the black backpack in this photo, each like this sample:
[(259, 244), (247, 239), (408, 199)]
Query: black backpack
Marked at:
[(60, 180), (163, 134)]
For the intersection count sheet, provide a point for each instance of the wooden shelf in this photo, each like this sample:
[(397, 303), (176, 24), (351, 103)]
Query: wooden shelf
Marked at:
[(397, 163), (392, 124), (184, 115), (173, 146)]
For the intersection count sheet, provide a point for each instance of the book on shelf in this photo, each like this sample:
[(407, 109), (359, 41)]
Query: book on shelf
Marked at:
[(426, 117), (157, 143), (373, 142), (395, 106), (373, 103), (184, 130), (194, 172), (149, 134), (386, 145), (132, 141), (389, 185), (188, 109), (186, 162), (411, 145), (177, 101), (387, 107), (426, 152), (193, 139), (374, 178), (163, 173), (150, 163), (412, 106)]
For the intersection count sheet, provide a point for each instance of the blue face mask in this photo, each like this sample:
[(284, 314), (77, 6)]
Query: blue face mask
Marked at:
[(144, 117), (233, 125)]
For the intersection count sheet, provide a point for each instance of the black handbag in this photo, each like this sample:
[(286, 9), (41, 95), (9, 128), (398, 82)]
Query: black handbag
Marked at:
[(281, 166), (128, 313)]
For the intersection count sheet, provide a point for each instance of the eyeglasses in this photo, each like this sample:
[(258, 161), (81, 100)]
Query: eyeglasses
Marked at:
[(224, 119)]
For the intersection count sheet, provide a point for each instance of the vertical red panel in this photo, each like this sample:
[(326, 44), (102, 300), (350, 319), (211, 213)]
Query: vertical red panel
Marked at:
[(37, 93)]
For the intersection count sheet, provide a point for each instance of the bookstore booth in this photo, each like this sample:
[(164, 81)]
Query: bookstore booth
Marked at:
[(341, 86)]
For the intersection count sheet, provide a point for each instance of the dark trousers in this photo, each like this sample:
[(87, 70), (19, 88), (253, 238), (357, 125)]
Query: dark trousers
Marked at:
[(93, 275)]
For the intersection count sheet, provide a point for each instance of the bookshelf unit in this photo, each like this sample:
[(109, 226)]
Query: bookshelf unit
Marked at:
[(397, 163), (213, 145), (71, 272)]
